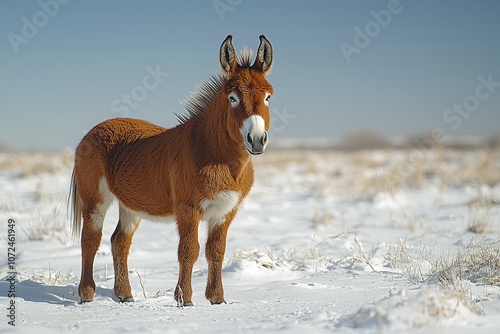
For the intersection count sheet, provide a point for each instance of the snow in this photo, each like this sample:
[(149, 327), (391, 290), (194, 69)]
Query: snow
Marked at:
[(352, 242)]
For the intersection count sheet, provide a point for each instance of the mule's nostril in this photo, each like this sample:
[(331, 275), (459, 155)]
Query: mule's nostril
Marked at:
[(264, 139), (249, 139)]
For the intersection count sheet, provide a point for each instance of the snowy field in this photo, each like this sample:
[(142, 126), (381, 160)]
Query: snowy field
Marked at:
[(327, 241)]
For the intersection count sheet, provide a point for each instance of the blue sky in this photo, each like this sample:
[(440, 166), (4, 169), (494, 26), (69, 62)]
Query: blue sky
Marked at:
[(397, 67)]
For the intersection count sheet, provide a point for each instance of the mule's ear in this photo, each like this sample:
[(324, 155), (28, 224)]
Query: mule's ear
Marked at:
[(228, 60), (264, 60)]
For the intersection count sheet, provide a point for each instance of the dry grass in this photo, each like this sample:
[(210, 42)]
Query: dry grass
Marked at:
[(25, 164), (365, 172), (48, 222), (321, 218), (482, 201), (344, 176), (361, 175), (429, 308), (478, 167), (307, 258), (412, 261), (489, 168), (479, 263), (479, 221), (44, 205)]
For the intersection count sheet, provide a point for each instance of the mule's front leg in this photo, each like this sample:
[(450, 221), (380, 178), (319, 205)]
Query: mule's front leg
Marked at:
[(214, 252), (187, 254)]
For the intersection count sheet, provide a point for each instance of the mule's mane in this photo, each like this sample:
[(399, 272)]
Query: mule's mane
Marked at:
[(245, 58), (200, 98), (206, 91)]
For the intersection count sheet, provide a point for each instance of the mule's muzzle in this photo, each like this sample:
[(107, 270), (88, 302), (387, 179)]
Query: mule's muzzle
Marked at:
[(256, 144), (255, 135)]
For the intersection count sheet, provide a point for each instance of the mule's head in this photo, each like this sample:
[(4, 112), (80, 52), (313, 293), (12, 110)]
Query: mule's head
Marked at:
[(248, 94)]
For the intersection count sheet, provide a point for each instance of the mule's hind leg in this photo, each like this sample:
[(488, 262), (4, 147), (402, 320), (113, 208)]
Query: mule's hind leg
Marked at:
[(91, 238), (120, 247), (95, 201)]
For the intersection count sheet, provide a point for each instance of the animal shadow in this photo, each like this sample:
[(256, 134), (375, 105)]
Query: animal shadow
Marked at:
[(32, 291)]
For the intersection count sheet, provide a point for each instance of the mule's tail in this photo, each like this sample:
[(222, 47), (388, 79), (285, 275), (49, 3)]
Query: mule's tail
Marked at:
[(74, 204)]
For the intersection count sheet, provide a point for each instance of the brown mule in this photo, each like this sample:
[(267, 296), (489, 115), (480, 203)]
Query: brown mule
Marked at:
[(198, 170)]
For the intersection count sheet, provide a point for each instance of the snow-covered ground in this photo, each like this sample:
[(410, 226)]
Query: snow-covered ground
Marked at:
[(355, 242)]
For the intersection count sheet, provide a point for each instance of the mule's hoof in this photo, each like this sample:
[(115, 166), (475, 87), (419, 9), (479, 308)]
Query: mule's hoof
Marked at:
[(84, 301), (218, 303), (126, 300), (185, 304)]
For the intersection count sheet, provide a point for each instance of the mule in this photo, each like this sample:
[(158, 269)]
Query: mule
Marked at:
[(199, 170)]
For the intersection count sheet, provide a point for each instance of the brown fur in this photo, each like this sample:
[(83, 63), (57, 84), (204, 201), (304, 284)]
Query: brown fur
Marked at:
[(162, 173)]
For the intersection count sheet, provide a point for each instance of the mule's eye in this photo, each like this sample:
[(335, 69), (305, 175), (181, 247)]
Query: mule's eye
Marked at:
[(233, 99), (268, 97)]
